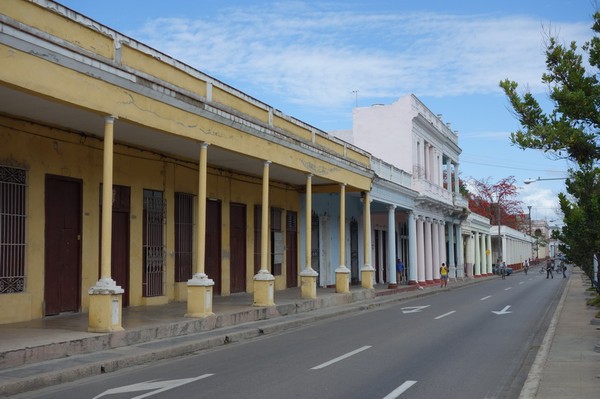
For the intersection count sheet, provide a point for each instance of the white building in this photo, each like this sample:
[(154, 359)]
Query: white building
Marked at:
[(412, 139)]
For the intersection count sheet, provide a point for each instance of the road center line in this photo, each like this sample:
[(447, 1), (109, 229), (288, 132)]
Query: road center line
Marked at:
[(444, 315), (337, 359), (400, 390), (508, 288), (485, 297)]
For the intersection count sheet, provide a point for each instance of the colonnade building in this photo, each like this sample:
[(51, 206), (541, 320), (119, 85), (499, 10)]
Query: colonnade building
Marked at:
[(128, 178)]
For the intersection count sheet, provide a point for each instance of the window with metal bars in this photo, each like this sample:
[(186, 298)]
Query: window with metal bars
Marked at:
[(154, 249), (184, 236), (12, 229)]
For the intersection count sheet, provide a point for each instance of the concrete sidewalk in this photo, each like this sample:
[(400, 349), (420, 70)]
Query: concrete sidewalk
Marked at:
[(55, 350), (568, 362)]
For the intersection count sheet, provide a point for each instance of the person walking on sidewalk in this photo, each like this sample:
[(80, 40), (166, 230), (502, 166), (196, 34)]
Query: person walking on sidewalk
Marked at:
[(549, 269), (399, 270), (444, 275), (564, 268)]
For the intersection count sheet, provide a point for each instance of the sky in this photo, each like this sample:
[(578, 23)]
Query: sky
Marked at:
[(317, 60)]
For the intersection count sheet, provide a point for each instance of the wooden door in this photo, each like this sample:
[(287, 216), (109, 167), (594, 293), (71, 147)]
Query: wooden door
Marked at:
[(354, 272), (62, 249), (213, 244), (237, 242), (120, 240), (291, 249)]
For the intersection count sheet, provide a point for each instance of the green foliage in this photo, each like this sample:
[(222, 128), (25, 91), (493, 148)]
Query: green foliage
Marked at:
[(570, 131), (594, 301)]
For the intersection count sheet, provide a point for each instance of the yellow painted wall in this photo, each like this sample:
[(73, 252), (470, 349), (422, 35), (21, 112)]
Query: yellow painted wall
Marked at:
[(240, 104), (43, 150), (295, 130), (57, 25), (68, 86), (146, 63)]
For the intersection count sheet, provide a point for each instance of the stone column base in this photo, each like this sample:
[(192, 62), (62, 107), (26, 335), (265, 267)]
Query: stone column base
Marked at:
[(199, 296), (342, 279), (105, 307), (264, 288), (308, 283), (366, 275), (199, 301)]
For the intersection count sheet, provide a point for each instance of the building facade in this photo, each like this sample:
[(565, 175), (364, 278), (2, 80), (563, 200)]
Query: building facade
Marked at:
[(208, 186), (422, 150)]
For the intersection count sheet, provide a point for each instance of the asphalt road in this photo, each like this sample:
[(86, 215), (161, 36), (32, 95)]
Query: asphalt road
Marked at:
[(474, 342)]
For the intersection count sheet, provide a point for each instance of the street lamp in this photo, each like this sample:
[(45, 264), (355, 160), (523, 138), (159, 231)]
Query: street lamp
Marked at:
[(529, 181), (529, 207)]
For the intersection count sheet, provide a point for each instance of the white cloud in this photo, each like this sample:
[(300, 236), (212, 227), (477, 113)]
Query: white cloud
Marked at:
[(543, 201), (317, 57)]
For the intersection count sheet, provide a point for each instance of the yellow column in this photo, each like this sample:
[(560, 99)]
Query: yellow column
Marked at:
[(200, 287), (106, 296), (264, 281), (308, 276), (342, 273), (367, 272)]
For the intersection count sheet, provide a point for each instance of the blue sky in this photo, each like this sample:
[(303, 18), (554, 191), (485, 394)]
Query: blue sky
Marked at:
[(315, 60)]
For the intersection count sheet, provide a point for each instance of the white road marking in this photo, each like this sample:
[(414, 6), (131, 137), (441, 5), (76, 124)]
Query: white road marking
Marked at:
[(485, 297), (155, 386), (414, 309), (337, 359), (508, 288), (521, 282), (400, 390), (444, 315), (503, 311)]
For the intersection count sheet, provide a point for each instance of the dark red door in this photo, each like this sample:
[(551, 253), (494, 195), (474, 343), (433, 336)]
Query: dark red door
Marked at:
[(119, 263), (237, 243), (213, 244), (120, 239), (62, 249), (291, 249)]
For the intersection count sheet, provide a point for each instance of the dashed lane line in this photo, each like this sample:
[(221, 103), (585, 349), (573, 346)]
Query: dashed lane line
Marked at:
[(400, 390), (337, 359), (444, 315)]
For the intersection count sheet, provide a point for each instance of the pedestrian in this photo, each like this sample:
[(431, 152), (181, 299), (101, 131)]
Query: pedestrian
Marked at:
[(399, 270), (444, 275), (549, 269), (503, 270), (525, 266), (564, 268)]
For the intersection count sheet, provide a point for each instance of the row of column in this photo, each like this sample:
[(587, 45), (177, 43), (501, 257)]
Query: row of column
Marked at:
[(426, 248), (431, 249), (430, 159), (479, 254), (106, 297)]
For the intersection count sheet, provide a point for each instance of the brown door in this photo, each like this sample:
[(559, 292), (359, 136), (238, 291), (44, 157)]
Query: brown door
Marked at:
[(62, 249), (120, 240), (238, 247), (291, 249), (213, 243), (354, 252)]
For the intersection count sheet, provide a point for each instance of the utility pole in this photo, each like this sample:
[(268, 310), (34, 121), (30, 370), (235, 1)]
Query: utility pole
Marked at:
[(529, 207), (355, 97)]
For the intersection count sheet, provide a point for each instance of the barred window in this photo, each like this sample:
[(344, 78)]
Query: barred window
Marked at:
[(12, 229), (184, 236)]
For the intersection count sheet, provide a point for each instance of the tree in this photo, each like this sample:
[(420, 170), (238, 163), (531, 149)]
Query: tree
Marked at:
[(581, 235), (496, 201), (569, 131)]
